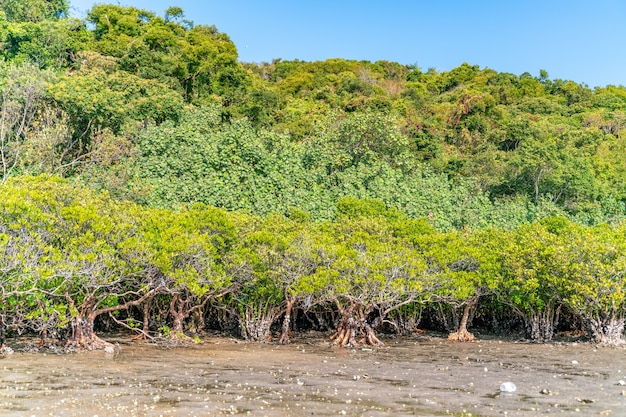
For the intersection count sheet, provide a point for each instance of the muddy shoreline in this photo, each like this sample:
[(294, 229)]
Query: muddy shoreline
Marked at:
[(424, 376)]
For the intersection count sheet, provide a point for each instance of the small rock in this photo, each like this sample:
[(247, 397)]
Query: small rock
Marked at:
[(547, 392), (508, 387), (585, 400), (109, 349), (6, 350), (574, 362), (621, 382)]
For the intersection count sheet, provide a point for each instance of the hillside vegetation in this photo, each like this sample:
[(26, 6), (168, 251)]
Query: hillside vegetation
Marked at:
[(149, 179)]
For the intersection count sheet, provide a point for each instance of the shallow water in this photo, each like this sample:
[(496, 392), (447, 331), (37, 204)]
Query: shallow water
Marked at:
[(424, 377)]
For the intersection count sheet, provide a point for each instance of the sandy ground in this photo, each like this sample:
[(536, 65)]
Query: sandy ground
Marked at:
[(426, 376)]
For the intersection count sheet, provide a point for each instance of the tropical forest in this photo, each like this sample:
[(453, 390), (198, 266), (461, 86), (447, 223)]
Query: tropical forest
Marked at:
[(152, 183)]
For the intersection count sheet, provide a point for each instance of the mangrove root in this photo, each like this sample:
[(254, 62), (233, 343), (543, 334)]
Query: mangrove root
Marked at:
[(347, 331), (462, 336)]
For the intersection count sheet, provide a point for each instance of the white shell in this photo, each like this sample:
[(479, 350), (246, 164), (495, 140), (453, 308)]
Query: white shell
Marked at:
[(507, 387)]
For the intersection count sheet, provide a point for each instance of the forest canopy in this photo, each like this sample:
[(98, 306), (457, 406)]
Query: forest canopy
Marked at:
[(366, 192)]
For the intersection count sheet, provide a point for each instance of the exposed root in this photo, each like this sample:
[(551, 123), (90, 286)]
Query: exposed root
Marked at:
[(285, 336), (370, 336), (349, 328), (256, 324), (45, 341), (345, 336), (462, 336), (286, 327), (142, 335), (85, 338), (5, 350), (91, 343), (608, 331), (257, 330), (180, 337)]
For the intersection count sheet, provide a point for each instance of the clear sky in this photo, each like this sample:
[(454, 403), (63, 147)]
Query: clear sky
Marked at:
[(579, 40)]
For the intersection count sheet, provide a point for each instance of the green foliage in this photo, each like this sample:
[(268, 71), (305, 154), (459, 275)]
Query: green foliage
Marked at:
[(22, 88), (97, 100), (89, 254), (47, 44), (185, 247), (352, 207), (468, 148), (34, 10), (373, 187), (533, 282), (365, 138), (197, 61), (595, 262), (69, 253), (469, 140)]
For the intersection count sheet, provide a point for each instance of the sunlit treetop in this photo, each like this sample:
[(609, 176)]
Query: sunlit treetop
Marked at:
[(34, 10)]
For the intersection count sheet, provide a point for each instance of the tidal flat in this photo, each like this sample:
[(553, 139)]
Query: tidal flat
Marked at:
[(420, 376)]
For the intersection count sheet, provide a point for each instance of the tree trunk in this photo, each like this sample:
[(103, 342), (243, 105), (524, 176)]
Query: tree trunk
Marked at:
[(606, 331), (199, 324), (256, 323), (2, 338), (370, 336), (144, 334), (257, 329), (284, 335), (540, 325), (345, 336), (177, 311), (84, 337), (351, 325), (407, 320), (462, 335), (449, 316), (145, 329)]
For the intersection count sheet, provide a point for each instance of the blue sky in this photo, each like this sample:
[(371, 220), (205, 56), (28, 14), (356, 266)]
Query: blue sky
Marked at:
[(577, 40)]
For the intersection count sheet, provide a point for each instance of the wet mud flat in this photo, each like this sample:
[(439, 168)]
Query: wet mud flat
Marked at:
[(409, 376)]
